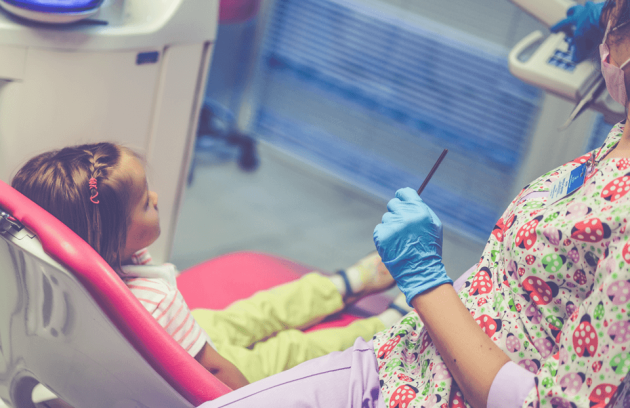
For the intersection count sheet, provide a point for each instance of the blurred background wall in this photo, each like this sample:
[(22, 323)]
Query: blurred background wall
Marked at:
[(359, 97)]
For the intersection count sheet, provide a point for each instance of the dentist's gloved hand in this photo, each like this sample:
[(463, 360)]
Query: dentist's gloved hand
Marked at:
[(409, 241), (582, 29)]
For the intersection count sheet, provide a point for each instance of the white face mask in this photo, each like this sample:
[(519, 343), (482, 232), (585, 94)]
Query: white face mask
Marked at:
[(614, 76)]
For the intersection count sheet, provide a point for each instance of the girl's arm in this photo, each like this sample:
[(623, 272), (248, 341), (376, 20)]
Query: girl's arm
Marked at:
[(470, 355), (220, 367)]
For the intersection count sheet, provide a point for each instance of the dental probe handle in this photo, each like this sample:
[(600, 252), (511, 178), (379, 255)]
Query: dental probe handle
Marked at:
[(435, 166), (589, 98)]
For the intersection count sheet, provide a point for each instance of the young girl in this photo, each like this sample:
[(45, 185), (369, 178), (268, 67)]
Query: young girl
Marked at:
[(101, 192)]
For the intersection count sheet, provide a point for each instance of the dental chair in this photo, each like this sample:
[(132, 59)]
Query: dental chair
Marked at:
[(68, 321)]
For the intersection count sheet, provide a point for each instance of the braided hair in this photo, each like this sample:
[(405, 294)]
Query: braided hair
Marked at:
[(60, 181)]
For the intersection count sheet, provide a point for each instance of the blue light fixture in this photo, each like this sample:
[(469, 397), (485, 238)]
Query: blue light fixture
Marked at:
[(52, 11)]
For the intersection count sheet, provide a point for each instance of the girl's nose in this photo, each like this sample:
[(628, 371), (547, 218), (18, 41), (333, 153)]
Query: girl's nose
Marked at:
[(154, 197)]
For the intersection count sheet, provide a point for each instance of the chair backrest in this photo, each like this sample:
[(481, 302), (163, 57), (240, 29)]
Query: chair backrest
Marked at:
[(69, 322)]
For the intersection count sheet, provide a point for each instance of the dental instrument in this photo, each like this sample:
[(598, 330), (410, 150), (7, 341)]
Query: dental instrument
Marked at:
[(591, 96), (435, 166)]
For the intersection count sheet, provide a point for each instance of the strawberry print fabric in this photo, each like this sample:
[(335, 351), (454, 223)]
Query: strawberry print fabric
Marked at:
[(552, 290)]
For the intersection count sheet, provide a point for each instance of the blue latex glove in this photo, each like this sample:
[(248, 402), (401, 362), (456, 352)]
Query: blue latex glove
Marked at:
[(409, 241), (582, 29)]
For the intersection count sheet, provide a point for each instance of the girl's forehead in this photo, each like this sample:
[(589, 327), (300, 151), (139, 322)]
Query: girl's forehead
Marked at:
[(131, 167), (130, 164)]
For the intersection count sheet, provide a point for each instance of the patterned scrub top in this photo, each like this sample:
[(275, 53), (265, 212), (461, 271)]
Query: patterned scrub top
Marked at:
[(552, 290)]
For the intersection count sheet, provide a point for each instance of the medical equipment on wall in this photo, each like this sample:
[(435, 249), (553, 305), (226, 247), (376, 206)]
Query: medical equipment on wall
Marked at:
[(133, 73), (546, 63)]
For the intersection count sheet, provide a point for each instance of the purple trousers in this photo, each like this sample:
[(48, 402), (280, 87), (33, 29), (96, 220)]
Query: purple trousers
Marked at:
[(345, 379)]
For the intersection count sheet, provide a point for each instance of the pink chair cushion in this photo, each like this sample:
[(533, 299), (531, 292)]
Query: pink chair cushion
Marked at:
[(157, 347), (216, 283)]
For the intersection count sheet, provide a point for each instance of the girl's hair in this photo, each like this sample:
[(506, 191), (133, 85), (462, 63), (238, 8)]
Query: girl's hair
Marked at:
[(58, 181)]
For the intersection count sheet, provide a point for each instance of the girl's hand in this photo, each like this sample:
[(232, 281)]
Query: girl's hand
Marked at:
[(220, 367), (409, 241)]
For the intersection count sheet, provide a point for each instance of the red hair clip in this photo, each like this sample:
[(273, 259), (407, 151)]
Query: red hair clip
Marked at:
[(92, 185)]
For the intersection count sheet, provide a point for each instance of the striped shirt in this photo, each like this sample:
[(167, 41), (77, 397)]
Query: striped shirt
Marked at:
[(156, 288)]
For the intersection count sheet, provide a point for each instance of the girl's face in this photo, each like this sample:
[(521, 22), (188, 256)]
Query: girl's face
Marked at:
[(143, 225)]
